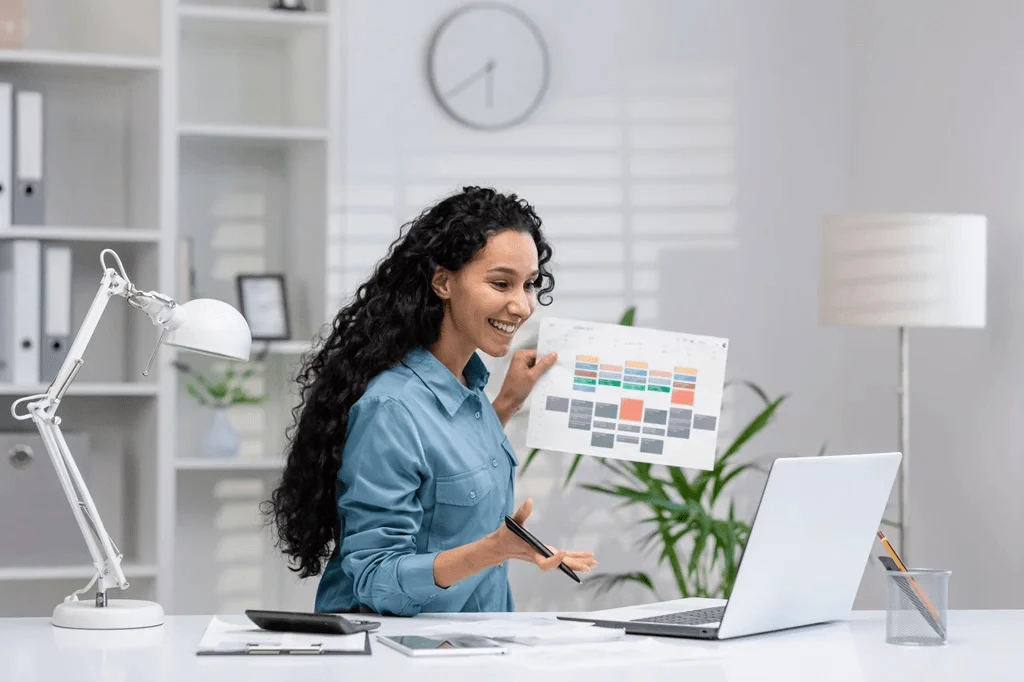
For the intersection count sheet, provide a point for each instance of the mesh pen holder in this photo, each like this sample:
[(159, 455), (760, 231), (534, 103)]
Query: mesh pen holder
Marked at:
[(917, 606)]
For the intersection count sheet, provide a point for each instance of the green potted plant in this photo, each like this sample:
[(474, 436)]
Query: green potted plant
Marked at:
[(687, 513), (218, 392)]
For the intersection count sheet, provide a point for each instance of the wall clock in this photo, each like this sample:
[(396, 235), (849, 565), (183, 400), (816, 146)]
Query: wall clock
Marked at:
[(488, 66)]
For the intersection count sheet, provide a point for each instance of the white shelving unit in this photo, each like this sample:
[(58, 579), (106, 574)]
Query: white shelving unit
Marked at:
[(100, 68), (166, 120), (256, 92)]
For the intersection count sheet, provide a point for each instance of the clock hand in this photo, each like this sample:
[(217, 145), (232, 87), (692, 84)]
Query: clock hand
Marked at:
[(490, 84), (469, 80)]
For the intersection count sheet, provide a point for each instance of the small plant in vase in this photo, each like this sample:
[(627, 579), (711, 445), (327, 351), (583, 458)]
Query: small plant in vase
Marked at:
[(218, 393)]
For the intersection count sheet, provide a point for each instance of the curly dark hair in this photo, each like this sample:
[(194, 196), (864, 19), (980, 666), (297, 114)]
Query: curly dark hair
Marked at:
[(393, 312)]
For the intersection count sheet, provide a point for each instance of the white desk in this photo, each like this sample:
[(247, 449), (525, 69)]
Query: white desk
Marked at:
[(984, 645)]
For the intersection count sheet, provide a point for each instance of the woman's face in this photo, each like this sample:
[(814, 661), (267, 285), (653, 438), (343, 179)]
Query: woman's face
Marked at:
[(493, 294)]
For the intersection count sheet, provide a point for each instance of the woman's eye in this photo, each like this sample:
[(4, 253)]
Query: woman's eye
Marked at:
[(530, 286), (501, 285)]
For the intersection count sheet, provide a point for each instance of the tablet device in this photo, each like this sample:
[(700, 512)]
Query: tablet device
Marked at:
[(313, 623), (442, 645)]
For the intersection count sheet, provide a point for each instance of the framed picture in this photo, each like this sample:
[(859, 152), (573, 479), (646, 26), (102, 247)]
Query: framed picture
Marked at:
[(264, 305)]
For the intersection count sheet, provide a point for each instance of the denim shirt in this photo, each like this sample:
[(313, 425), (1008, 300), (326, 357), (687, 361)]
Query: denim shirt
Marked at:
[(426, 467)]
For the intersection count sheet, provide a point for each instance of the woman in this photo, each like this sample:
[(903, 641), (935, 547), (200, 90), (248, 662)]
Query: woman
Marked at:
[(398, 469)]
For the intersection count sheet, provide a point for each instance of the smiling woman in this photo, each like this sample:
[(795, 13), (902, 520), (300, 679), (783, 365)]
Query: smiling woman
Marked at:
[(399, 474)]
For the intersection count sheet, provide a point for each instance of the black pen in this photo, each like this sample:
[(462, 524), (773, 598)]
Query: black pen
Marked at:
[(538, 545)]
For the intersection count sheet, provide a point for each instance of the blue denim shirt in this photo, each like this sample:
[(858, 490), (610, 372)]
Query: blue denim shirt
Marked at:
[(426, 467)]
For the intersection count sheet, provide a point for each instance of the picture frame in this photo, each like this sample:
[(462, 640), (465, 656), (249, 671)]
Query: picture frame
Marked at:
[(263, 302)]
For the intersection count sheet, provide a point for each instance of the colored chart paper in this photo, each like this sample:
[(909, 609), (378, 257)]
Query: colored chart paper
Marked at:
[(630, 393)]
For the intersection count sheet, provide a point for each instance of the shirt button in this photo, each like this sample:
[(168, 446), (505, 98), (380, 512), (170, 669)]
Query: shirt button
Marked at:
[(477, 415), (472, 494), (494, 462)]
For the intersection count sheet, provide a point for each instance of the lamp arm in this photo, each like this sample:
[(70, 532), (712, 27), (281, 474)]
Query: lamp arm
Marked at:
[(42, 411)]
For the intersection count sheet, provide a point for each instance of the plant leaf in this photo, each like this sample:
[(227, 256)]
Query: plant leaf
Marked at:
[(627, 317), (606, 581), (572, 470), (529, 459)]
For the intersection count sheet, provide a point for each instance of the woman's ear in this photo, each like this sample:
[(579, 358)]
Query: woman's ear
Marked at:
[(441, 282)]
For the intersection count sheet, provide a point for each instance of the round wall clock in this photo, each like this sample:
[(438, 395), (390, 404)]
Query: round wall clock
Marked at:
[(488, 66)]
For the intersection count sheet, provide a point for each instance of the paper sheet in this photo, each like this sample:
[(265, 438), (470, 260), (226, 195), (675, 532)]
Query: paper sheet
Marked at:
[(228, 634), (628, 393), (530, 631), (608, 654)]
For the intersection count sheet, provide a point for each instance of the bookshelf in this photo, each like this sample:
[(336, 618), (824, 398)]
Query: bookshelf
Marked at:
[(159, 113)]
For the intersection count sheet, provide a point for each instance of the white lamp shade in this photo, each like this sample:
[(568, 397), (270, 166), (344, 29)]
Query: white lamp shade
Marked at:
[(905, 269), (212, 327)]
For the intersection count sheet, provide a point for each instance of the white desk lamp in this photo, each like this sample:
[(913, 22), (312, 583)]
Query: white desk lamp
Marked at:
[(903, 270), (205, 326)]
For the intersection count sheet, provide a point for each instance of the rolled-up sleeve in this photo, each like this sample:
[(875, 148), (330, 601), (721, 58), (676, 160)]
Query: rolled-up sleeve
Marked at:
[(379, 479)]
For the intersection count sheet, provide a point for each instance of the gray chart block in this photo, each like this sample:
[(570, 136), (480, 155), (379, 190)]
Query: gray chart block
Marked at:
[(704, 422), (602, 440), (632, 440), (604, 425), (631, 428), (656, 416), (555, 404), (606, 411), (651, 446)]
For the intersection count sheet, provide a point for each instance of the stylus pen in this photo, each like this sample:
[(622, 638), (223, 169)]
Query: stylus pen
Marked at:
[(538, 545)]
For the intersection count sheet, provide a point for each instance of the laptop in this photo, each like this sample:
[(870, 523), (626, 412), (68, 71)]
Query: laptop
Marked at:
[(808, 547)]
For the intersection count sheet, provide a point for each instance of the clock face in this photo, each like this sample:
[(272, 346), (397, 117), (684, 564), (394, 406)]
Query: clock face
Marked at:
[(488, 66)]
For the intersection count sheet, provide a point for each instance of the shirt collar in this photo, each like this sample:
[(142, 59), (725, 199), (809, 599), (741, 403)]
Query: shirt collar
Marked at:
[(449, 391)]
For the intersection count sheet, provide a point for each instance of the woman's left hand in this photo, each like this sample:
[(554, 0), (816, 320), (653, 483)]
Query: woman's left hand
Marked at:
[(523, 372)]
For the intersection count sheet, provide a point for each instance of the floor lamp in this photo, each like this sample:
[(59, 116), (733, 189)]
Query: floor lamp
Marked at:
[(903, 270)]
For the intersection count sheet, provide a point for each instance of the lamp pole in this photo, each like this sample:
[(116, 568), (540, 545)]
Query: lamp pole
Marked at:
[(903, 423)]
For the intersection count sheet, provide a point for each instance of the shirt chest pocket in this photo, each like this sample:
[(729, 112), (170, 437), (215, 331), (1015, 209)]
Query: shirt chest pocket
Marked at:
[(463, 509)]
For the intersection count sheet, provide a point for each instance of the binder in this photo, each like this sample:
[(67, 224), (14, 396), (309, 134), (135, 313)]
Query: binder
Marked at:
[(225, 636), (6, 153), (28, 158), (20, 279), (56, 292)]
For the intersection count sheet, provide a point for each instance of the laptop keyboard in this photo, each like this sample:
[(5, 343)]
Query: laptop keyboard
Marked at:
[(695, 617)]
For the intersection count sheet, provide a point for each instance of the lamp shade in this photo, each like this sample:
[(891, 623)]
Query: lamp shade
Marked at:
[(212, 327), (903, 269)]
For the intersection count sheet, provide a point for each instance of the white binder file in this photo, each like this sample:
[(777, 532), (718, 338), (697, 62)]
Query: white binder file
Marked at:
[(28, 158), (6, 153), (56, 310), (20, 280)]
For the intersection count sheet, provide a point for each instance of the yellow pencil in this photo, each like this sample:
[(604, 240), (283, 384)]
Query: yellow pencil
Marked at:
[(902, 567)]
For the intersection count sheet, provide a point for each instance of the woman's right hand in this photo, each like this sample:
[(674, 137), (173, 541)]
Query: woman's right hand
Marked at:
[(511, 546)]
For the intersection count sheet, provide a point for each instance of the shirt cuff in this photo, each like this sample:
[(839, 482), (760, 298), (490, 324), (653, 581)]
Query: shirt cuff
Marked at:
[(416, 577)]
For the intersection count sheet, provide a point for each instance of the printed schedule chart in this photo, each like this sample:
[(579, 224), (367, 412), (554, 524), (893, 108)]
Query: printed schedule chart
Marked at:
[(629, 393)]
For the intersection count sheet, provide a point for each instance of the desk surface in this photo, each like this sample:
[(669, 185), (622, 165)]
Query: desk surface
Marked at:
[(983, 645)]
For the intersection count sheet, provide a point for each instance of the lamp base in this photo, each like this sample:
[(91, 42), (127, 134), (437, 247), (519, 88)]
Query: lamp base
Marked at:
[(118, 614)]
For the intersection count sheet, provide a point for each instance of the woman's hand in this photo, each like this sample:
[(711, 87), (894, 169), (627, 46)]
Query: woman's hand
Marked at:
[(511, 546), (523, 372)]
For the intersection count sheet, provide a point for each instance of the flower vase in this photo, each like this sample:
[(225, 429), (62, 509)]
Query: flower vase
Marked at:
[(222, 440)]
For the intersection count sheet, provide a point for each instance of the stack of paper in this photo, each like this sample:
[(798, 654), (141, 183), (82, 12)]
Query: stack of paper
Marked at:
[(534, 631), (238, 635)]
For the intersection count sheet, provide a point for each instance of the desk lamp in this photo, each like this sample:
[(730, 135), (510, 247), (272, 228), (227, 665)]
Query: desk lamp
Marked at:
[(903, 270), (205, 326)]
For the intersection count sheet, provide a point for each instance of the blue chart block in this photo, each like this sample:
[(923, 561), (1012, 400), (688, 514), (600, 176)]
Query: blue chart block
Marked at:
[(584, 388), (586, 365)]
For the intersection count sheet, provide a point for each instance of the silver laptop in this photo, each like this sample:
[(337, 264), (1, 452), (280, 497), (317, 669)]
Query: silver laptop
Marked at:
[(808, 547)]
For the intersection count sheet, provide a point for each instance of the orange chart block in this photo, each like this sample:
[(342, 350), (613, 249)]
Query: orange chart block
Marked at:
[(636, 364), (682, 397), (692, 371), (631, 410), (592, 359)]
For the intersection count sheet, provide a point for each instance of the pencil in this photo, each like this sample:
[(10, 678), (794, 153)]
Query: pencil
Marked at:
[(902, 567)]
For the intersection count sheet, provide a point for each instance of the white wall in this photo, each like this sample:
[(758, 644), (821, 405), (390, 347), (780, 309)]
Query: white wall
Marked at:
[(778, 72), (938, 127)]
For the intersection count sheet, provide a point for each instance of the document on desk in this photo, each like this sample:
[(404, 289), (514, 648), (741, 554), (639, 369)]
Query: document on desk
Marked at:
[(536, 631), (630, 393), (226, 635), (626, 652)]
